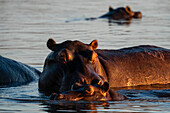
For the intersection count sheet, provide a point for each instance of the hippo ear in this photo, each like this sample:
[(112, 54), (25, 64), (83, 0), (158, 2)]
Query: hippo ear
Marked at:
[(129, 11), (65, 55), (50, 44), (110, 8), (94, 44), (105, 87)]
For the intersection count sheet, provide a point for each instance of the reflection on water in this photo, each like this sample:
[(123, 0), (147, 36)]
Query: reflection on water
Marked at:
[(26, 98), (25, 26)]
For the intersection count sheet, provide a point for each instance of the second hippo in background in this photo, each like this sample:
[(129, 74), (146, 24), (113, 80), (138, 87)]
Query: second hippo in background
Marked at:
[(121, 13)]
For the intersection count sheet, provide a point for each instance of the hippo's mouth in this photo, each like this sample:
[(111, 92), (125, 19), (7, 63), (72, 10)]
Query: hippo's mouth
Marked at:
[(70, 96)]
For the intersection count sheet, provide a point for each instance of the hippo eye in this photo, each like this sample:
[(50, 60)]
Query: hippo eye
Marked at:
[(65, 56), (89, 55), (85, 53)]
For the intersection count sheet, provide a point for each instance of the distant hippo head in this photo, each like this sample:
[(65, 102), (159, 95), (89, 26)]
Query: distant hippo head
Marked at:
[(122, 13), (70, 65)]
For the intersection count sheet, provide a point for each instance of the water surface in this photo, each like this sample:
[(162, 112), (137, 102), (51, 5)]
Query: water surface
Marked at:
[(25, 26)]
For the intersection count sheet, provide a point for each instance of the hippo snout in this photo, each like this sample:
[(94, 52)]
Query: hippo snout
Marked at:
[(137, 15), (90, 92)]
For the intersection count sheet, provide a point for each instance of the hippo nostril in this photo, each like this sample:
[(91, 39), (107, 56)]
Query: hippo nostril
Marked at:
[(96, 81), (137, 15)]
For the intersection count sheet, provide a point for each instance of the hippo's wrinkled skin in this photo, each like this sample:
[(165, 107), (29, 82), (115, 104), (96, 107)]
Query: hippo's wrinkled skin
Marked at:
[(73, 64), (120, 13), (13, 73)]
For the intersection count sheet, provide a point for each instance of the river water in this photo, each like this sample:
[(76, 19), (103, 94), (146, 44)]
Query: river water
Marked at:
[(26, 25)]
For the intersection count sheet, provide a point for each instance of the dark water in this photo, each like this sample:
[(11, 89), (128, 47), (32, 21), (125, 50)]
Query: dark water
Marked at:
[(26, 25)]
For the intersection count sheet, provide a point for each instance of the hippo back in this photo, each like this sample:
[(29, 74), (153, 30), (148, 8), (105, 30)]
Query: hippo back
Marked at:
[(16, 73), (140, 65)]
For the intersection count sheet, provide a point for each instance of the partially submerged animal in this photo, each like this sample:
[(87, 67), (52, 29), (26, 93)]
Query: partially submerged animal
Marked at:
[(120, 13), (72, 65), (13, 73)]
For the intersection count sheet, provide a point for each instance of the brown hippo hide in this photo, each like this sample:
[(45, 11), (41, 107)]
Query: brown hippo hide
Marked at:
[(72, 65), (140, 65)]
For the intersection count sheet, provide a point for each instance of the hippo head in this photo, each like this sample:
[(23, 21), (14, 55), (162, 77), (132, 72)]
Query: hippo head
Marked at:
[(122, 13), (70, 65), (73, 71)]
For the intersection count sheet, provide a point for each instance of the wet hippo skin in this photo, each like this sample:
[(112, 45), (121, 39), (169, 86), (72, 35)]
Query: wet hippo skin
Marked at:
[(140, 65), (13, 73), (72, 65)]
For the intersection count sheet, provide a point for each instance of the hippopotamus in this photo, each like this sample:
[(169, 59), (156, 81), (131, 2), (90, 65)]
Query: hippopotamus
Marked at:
[(120, 13), (74, 64), (13, 73)]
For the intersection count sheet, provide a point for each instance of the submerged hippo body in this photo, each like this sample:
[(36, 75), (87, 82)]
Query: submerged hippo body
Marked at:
[(13, 73), (72, 64)]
